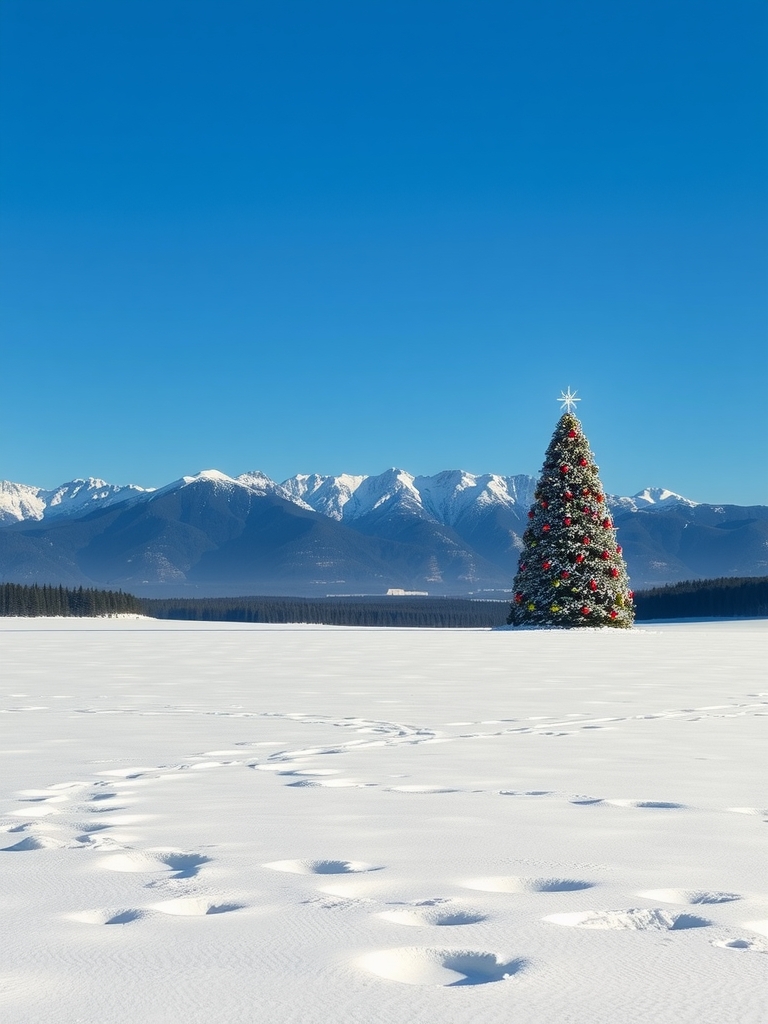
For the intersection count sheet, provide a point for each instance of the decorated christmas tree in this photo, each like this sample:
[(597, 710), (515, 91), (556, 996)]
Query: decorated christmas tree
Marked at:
[(571, 570)]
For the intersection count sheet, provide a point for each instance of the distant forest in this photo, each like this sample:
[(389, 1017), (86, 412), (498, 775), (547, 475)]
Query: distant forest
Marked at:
[(722, 598), (17, 599), (729, 597), (436, 612)]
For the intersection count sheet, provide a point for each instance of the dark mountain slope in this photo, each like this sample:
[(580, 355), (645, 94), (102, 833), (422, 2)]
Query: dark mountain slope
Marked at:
[(206, 533)]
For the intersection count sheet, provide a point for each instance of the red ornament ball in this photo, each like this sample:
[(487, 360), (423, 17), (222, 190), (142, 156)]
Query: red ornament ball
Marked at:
[(599, 497), (567, 521), (585, 540), (545, 565), (530, 514), (585, 610), (607, 524), (523, 566), (571, 433), (518, 598), (614, 572), (579, 558), (545, 504), (585, 490), (564, 575), (613, 614), (592, 585), (582, 462), (568, 495), (605, 556), (564, 469), (618, 549)]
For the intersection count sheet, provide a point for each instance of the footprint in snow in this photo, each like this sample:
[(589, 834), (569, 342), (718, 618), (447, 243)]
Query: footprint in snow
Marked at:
[(517, 884), (107, 916), (638, 920), (753, 945), (322, 867), (662, 805), (194, 907), (435, 916), (414, 965), (421, 789), (690, 897), (182, 865), (34, 843)]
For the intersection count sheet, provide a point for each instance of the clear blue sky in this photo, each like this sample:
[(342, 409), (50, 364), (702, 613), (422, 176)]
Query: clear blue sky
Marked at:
[(342, 236)]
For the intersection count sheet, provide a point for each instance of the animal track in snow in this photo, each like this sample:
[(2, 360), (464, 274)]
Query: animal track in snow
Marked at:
[(513, 883), (329, 784), (525, 792), (421, 789), (637, 920), (691, 897), (662, 805), (105, 810), (755, 945), (107, 916), (322, 867), (414, 965), (193, 906), (35, 843), (97, 842)]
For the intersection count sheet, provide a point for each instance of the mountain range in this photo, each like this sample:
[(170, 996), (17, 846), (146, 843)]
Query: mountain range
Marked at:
[(451, 533)]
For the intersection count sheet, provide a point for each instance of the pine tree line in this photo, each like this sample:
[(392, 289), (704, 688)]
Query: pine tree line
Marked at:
[(438, 612), (727, 597), (18, 599)]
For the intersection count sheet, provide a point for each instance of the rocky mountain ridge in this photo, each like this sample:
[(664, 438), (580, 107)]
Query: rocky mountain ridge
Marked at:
[(444, 498)]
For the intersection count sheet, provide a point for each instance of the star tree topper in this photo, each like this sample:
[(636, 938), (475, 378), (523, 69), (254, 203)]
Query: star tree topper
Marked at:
[(569, 400)]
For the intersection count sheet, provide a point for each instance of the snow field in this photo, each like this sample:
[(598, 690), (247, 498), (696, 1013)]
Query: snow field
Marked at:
[(290, 824)]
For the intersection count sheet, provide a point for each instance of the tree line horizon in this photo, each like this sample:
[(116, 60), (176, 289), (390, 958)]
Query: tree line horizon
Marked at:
[(725, 597)]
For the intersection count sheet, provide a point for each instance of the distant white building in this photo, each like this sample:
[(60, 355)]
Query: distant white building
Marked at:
[(396, 592)]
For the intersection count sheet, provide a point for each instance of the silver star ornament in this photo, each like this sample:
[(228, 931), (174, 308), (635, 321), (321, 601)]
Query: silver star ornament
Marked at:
[(568, 399)]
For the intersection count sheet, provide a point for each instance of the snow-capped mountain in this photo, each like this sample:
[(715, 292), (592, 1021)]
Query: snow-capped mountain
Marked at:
[(261, 484), (446, 498), (454, 532), (443, 498), (650, 499), (327, 494), (76, 497)]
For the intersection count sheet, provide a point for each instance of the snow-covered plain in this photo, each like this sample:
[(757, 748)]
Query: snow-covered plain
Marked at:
[(218, 823)]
